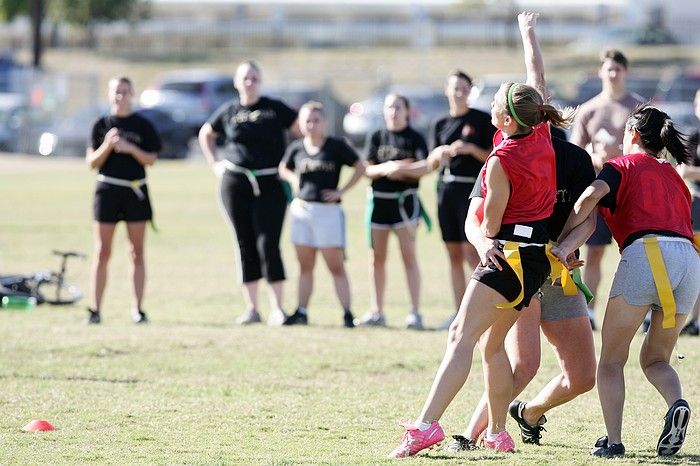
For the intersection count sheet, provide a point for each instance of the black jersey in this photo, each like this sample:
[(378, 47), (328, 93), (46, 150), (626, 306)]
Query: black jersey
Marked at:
[(320, 171), (135, 129), (384, 145), (254, 134), (474, 127), (695, 142), (574, 174)]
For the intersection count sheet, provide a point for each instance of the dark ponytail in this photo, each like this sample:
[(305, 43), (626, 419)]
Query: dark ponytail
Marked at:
[(657, 132)]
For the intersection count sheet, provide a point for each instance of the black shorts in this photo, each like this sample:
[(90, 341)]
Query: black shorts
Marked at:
[(453, 205), (386, 213), (536, 269), (695, 213), (115, 203), (602, 235)]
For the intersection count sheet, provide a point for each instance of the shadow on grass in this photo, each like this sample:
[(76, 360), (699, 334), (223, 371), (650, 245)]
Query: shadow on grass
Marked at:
[(70, 378)]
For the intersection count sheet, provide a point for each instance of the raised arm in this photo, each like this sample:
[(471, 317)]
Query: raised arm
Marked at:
[(534, 65)]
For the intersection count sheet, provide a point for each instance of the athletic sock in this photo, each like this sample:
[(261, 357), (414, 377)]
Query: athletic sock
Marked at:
[(301, 310), (423, 426), (491, 437)]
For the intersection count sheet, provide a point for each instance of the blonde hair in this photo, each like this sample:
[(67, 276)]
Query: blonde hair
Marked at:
[(526, 105)]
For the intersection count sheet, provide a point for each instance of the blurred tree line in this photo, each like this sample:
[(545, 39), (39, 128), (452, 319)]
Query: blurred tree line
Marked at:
[(81, 13)]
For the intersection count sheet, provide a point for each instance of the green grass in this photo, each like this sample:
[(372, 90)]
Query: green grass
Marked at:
[(190, 388)]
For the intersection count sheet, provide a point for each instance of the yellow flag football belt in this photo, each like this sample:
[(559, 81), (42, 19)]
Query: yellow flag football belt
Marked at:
[(661, 281), (511, 250)]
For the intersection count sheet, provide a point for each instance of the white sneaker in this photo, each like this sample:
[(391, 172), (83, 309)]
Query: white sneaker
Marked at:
[(414, 321), (371, 319), (248, 317), (445, 325), (276, 317)]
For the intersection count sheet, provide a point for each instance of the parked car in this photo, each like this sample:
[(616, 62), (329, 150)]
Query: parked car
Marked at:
[(679, 86), (590, 86), (297, 94), (71, 136), (20, 123), (364, 117), (190, 96)]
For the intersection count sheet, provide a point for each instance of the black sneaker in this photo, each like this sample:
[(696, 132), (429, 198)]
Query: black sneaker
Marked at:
[(298, 318), (348, 319), (460, 443), (139, 317), (528, 433), (93, 317), (675, 424), (605, 450), (691, 328)]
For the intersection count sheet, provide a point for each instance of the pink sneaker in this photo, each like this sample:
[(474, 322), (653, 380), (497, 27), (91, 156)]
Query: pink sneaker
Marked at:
[(503, 443), (415, 440)]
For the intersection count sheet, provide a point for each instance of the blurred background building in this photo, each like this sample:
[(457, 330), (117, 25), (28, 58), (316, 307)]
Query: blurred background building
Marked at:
[(346, 53)]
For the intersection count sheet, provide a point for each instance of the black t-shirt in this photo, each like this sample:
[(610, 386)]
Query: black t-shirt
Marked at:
[(384, 145), (135, 129), (320, 171), (612, 178), (254, 135), (574, 174), (695, 141), (474, 127)]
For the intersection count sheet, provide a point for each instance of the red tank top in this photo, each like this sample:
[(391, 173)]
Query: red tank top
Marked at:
[(530, 166), (651, 196)]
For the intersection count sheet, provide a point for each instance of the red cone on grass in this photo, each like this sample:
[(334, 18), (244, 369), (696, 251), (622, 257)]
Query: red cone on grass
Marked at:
[(38, 426)]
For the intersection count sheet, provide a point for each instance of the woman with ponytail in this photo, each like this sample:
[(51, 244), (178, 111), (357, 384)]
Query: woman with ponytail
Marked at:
[(646, 204), (520, 190)]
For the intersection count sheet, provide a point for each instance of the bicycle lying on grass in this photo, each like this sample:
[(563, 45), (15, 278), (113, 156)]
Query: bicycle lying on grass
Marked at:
[(46, 287)]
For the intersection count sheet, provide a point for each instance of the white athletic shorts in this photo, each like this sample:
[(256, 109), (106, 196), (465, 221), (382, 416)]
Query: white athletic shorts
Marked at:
[(317, 225)]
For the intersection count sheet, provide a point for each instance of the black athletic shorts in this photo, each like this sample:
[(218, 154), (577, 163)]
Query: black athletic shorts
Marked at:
[(115, 203), (453, 205), (386, 212), (536, 269), (602, 235)]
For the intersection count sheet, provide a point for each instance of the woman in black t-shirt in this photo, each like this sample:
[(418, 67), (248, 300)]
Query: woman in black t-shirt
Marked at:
[(122, 144), (396, 161), (312, 166), (251, 192)]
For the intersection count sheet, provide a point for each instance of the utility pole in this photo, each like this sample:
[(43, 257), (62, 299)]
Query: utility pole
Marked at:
[(37, 13)]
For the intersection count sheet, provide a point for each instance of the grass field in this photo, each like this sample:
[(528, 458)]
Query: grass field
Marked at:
[(191, 388)]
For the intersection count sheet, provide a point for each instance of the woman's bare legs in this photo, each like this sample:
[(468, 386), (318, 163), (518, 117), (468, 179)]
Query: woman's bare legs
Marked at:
[(377, 269), (477, 313), (103, 235)]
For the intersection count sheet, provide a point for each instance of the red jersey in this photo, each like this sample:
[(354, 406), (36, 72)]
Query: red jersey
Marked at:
[(651, 197), (530, 165)]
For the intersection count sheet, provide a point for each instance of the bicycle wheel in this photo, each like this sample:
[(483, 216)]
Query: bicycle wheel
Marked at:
[(51, 291)]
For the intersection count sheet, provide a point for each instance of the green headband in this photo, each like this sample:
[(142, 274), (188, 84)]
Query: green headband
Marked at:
[(511, 106)]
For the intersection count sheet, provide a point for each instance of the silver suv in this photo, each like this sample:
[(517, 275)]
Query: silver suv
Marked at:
[(190, 96)]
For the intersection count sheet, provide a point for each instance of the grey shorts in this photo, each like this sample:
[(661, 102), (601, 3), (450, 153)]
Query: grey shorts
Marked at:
[(634, 281), (556, 306)]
